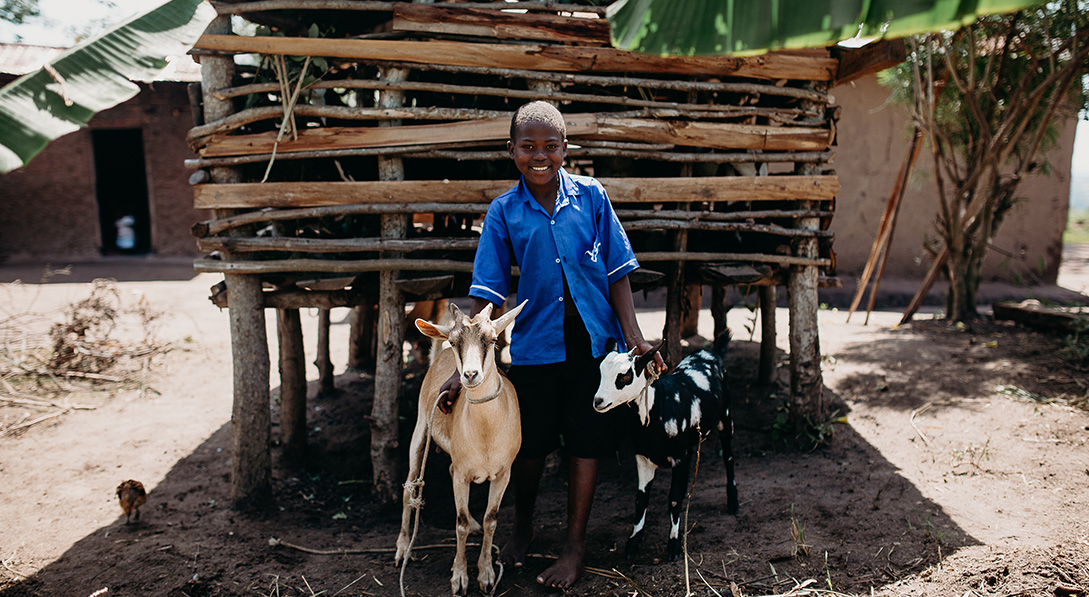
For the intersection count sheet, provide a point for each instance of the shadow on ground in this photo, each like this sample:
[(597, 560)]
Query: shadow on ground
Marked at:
[(856, 522)]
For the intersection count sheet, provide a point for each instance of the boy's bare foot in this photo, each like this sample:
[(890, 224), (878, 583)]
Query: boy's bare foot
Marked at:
[(567, 570), (515, 549)]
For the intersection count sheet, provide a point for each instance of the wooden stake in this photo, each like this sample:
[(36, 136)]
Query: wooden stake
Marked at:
[(292, 383)]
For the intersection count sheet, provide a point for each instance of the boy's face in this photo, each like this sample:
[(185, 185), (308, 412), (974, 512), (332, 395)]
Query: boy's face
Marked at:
[(538, 151)]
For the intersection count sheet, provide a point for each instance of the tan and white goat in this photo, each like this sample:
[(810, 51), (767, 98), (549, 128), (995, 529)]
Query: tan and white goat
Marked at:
[(482, 434)]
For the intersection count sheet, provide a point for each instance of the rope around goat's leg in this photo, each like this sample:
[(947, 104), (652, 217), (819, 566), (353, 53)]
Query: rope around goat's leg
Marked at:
[(416, 492)]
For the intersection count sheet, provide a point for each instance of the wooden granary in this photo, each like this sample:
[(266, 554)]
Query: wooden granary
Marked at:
[(348, 163)]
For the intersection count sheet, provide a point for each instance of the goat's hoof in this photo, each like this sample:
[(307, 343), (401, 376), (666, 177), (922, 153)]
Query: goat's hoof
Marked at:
[(486, 579), (673, 550), (632, 549), (459, 583)]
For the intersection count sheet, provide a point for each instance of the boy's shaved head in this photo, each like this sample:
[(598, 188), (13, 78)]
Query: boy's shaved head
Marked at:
[(538, 111)]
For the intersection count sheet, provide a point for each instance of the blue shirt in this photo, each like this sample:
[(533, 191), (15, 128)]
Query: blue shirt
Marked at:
[(582, 240)]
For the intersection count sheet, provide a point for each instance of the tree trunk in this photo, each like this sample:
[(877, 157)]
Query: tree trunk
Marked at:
[(807, 404), (768, 351), (292, 383), (391, 332), (361, 338), (251, 460), (324, 363), (690, 310)]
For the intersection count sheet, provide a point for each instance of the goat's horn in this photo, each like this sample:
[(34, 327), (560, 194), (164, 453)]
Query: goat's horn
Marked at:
[(508, 317), (487, 311)]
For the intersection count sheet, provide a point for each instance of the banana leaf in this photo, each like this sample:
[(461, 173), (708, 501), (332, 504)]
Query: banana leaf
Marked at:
[(93, 76), (747, 27)]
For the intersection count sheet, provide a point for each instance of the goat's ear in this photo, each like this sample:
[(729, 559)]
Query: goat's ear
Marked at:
[(611, 345), (433, 331), (455, 313), (508, 317), (645, 358)]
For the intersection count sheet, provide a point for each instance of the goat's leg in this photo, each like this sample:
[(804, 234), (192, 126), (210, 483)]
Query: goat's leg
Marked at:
[(677, 489), (726, 435), (474, 526), (459, 580), (415, 459), (645, 470), (485, 571)]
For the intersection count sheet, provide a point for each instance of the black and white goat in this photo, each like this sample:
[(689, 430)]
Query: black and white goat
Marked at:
[(675, 411)]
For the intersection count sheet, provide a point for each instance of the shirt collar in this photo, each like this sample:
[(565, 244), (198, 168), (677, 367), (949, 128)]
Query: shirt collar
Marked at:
[(567, 189)]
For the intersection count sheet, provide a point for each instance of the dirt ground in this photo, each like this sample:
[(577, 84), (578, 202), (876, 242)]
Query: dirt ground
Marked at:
[(961, 469)]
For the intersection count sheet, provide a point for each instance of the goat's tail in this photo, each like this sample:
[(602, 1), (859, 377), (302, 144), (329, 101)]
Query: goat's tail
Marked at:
[(722, 343)]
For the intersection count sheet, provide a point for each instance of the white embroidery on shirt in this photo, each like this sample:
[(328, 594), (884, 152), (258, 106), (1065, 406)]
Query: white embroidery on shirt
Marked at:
[(593, 254)]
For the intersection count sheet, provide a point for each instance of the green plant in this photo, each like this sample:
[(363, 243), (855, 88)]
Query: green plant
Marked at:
[(1076, 344), (797, 536)]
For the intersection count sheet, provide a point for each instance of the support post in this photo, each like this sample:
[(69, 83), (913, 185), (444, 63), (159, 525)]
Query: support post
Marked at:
[(292, 383), (769, 296), (807, 404), (251, 461), (324, 363), (361, 342), (720, 307), (391, 328)]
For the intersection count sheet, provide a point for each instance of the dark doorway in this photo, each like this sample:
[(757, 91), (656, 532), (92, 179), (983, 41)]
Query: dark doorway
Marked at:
[(121, 187)]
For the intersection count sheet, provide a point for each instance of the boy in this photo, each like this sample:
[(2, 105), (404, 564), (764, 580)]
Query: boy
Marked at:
[(574, 258)]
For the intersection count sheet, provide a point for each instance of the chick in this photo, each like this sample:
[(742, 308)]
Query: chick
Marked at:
[(131, 495)]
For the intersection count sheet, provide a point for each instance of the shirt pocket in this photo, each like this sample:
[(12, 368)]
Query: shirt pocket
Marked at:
[(592, 257)]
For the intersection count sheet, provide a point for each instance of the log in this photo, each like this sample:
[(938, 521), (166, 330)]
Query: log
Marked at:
[(323, 361), (329, 266), (871, 58), (240, 8), (623, 81), (712, 135), (210, 227), (620, 190), (330, 245), (744, 257), (322, 153), (772, 66), (391, 329), (251, 459), (447, 20), (807, 404), (768, 351), (786, 115), (361, 343), (292, 383), (668, 224), (1033, 314), (719, 216)]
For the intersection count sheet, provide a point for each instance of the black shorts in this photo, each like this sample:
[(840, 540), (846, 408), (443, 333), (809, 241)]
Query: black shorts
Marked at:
[(557, 399)]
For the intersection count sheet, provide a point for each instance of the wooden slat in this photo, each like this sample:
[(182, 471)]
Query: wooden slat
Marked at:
[(429, 18), (536, 57), (621, 190), (488, 129), (714, 135)]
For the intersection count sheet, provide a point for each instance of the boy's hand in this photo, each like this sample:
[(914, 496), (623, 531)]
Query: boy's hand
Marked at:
[(659, 364), (452, 387)]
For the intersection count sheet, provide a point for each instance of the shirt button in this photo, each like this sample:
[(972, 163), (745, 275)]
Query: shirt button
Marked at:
[(552, 222), (561, 299), (557, 260)]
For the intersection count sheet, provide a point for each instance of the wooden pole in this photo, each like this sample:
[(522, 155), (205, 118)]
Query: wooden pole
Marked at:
[(292, 383), (885, 229), (251, 461), (807, 405), (391, 331), (769, 296), (720, 307), (324, 363)]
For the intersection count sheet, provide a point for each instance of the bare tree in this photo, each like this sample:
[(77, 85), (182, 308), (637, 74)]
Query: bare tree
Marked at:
[(987, 97)]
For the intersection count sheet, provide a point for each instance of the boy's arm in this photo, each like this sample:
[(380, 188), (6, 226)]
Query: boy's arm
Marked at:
[(624, 306), (452, 386)]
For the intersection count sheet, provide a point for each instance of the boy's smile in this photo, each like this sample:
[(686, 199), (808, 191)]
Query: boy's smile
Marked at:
[(538, 151)]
